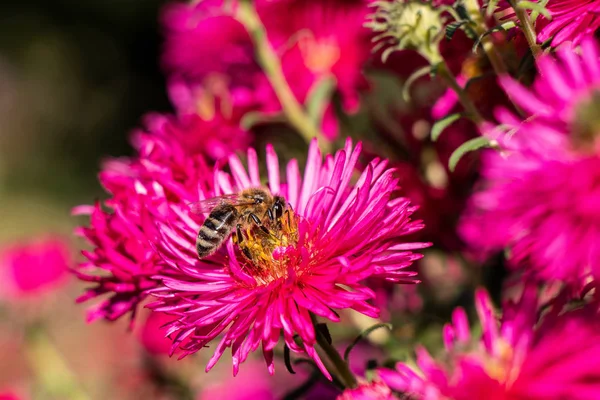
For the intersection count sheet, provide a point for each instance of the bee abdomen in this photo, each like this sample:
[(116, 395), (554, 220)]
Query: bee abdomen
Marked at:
[(215, 230)]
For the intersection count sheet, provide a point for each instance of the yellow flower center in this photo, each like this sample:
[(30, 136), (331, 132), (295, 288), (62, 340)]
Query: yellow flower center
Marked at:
[(267, 256), (319, 55), (504, 365), (215, 91)]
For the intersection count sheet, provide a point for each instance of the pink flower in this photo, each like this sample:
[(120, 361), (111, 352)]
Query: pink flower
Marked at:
[(329, 39), (337, 235), (539, 194), (9, 396), (32, 268), (517, 358), (375, 390), (152, 336), (253, 383), (122, 250), (572, 20), (314, 40), (170, 166)]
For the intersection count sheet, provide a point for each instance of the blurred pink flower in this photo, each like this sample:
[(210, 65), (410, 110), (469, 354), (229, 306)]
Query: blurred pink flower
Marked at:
[(517, 358), (169, 167), (253, 383), (35, 267), (152, 336), (314, 40), (10, 396), (122, 252), (376, 390), (539, 195), (338, 235), (318, 39)]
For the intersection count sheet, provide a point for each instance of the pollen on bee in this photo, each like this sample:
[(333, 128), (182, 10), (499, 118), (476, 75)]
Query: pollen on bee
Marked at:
[(266, 250)]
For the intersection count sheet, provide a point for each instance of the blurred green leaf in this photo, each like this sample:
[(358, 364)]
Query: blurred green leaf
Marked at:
[(539, 8), (466, 147), (440, 125), (318, 98)]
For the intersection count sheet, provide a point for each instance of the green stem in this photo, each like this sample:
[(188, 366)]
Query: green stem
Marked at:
[(450, 80), (271, 65), (528, 29), (343, 369), (474, 11)]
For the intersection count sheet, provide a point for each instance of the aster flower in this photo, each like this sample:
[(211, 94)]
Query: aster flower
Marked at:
[(376, 390), (539, 195), (514, 358), (572, 20), (151, 335), (170, 168), (330, 40), (315, 40), (336, 235), (32, 268)]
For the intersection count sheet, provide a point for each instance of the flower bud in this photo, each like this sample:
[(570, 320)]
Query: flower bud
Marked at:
[(408, 25)]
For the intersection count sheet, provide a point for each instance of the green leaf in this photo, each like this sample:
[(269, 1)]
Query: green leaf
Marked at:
[(452, 27), (461, 10), (535, 7), (468, 146), (536, 14), (412, 79), (288, 359), (253, 118), (318, 98), (324, 330), (491, 7), (506, 26), (363, 335), (440, 125)]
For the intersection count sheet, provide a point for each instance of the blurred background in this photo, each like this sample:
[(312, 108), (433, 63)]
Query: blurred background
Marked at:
[(75, 78)]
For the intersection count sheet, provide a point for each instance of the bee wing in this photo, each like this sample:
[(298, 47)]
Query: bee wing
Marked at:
[(206, 206)]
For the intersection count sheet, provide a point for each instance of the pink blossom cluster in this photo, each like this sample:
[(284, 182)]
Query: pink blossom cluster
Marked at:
[(357, 216)]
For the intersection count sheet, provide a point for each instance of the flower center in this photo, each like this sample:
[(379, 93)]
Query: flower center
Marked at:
[(268, 256), (586, 123), (319, 55), (214, 93), (501, 366)]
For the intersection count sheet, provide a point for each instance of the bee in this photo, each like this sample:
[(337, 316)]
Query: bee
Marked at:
[(234, 211)]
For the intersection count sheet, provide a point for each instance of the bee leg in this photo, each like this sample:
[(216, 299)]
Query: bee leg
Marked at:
[(258, 222), (269, 213), (277, 210), (238, 234), (247, 253)]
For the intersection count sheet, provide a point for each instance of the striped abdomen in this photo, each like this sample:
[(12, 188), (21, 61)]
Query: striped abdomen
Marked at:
[(216, 229)]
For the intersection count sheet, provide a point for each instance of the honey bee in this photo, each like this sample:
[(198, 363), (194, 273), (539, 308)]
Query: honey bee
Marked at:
[(234, 211)]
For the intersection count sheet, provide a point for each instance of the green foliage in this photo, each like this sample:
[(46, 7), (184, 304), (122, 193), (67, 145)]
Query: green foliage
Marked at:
[(440, 125), (468, 146)]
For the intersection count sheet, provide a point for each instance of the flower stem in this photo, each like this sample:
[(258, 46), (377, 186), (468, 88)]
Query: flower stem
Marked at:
[(271, 65), (450, 80), (344, 373), (474, 11), (528, 29)]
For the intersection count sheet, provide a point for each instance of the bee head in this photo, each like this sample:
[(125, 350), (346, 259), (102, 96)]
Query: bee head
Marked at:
[(257, 196)]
